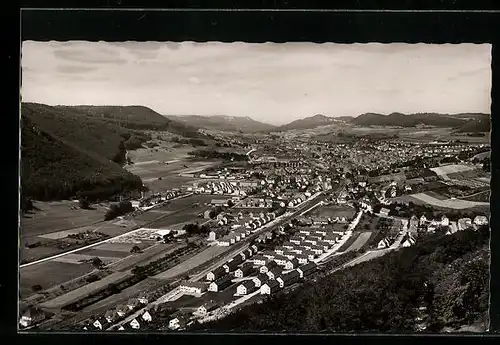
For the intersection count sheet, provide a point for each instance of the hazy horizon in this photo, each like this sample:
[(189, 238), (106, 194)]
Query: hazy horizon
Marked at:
[(269, 82)]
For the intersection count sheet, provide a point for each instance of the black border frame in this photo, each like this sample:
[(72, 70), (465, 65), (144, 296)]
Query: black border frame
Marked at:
[(194, 23)]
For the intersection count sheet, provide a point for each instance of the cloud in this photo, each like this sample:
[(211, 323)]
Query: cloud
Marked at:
[(95, 56), (74, 69)]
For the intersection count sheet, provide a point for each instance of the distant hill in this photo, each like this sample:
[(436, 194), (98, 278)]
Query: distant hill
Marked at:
[(403, 120), (308, 123), (135, 117), (223, 123), (65, 154), (478, 125)]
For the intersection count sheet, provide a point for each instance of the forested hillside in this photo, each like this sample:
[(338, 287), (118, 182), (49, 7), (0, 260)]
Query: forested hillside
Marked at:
[(135, 117), (53, 169), (441, 283)]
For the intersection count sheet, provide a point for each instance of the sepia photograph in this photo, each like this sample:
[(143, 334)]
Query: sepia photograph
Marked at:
[(248, 187)]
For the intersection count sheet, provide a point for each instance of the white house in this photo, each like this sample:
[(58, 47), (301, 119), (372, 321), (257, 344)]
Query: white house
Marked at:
[(220, 284), (291, 264), (192, 287), (245, 288), (423, 219), (288, 279), (302, 259), (270, 287), (384, 243), (31, 317), (147, 316), (445, 221), (205, 308), (481, 220), (97, 324), (260, 280), (410, 241), (306, 269), (135, 324)]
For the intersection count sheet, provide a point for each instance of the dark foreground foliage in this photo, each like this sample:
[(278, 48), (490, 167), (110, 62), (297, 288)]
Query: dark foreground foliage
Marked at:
[(447, 276)]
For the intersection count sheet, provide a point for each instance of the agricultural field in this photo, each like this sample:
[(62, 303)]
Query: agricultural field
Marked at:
[(72, 296), (334, 211), (350, 241), (457, 204), (48, 274), (193, 262), (49, 217), (360, 241), (148, 255), (452, 168)]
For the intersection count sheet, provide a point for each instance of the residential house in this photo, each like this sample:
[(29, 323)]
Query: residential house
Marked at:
[(311, 239), (123, 310), (310, 254), (269, 266), (132, 303), (384, 243), (224, 242), (246, 287), (288, 279), (179, 321), (254, 249), (147, 316), (464, 223), (408, 241), (331, 239), (414, 221), (220, 284), (324, 245), (31, 317), (288, 245), (260, 280), (110, 316), (187, 286), (423, 220), (98, 324), (274, 273), (244, 271), (205, 308), (289, 254), (305, 231), (480, 220), (216, 273), (296, 240), (384, 212), (143, 298), (259, 260), (232, 264), (291, 264), (280, 260), (248, 253), (134, 324), (269, 255), (297, 249), (302, 259), (318, 250), (270, 287), (307, 269), (445, 221), (279, 250)]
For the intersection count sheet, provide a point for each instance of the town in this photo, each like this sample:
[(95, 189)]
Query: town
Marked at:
[(253, 228)]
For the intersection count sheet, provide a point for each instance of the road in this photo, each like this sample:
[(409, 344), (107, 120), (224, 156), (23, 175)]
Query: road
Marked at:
[(100, 242)]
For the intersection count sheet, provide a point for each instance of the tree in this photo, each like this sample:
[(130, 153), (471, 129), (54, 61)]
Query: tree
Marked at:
[(135, 249), (97, 263), (84, 203), (37, 288)]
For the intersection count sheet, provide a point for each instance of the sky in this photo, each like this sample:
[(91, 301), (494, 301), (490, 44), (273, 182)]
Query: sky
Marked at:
[(270, 82)]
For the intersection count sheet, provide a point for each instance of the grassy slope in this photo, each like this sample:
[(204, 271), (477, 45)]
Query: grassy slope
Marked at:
[(383, 294)]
